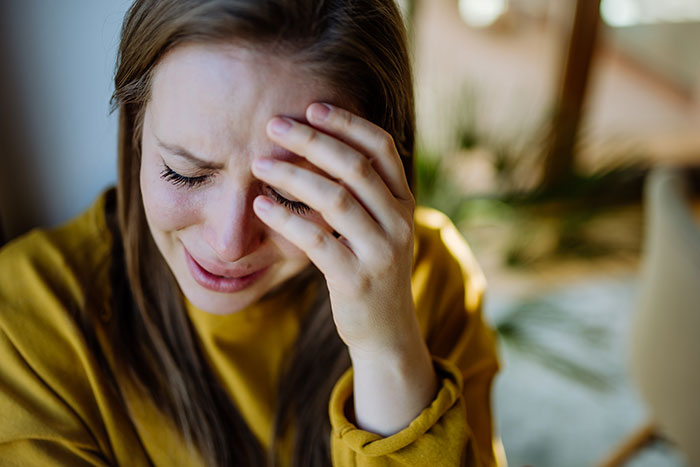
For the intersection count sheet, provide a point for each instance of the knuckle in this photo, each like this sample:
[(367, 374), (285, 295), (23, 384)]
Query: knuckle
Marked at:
[(345, 119), (405, 238), (286, 170), (386, 141), (310, 137), (359, 167), (362, 283), (317, 238), (386, 261), (403, 232), (341, 200), (382, 259)]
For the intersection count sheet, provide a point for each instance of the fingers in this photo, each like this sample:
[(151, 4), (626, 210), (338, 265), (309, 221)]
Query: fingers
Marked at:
[(323, 249), (340, 162), (334, 202), (367, 138), (362, 192)]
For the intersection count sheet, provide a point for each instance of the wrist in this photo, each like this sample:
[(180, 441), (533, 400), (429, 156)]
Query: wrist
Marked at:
[(391, 388), (407, 353), (405, 344)]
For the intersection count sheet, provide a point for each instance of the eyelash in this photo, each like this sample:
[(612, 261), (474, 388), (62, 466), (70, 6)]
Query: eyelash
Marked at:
[(191, 182), (294, 206), (180, 180)]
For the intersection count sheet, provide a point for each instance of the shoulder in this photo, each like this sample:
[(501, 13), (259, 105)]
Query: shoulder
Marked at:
[(50, 374), (447, 282), (56, 256), (47, 275), (441, 250)]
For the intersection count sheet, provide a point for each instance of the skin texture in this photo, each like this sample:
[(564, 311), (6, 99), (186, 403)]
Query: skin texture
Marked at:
[(264, 128)]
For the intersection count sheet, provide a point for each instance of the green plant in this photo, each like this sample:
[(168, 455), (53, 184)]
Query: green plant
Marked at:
[(435, 188), (562, 221), (525, 327)]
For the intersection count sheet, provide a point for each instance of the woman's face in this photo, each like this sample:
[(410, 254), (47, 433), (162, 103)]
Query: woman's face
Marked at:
[(203, 127)]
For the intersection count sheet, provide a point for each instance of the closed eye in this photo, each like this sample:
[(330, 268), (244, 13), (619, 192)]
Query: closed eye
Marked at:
[(180, 180), (294, 206)]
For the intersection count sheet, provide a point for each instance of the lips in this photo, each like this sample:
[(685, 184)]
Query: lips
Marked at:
[(220, 279)]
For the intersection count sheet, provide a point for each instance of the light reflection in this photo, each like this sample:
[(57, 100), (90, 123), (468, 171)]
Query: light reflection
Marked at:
[(621, 13), (481, 13)]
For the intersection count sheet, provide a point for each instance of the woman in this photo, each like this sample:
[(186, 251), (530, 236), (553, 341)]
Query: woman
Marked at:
[(256, 291)]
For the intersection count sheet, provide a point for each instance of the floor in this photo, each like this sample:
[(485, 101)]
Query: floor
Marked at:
[(546, 419)]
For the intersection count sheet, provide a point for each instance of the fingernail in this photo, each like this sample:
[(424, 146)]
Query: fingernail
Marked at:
[(263, 164), (280, 125), (320, 111), (263, 204)]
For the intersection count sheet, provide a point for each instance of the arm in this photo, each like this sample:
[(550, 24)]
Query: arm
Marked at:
[(456, 428), (361, 193), (391, 390), (402, 410), (36, 425)]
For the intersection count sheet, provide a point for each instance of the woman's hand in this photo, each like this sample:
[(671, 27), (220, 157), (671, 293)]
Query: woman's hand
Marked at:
[(365, 198), (361, 193)]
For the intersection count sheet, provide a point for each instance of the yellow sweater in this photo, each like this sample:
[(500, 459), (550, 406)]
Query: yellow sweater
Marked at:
[(57, 408)]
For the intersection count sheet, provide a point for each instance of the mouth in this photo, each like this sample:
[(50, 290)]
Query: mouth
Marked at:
[(219, 283)]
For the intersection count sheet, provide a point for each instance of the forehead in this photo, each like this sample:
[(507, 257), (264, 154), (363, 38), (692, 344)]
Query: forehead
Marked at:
[(218, 98)]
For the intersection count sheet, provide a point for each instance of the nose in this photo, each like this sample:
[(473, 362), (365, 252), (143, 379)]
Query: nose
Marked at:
[(231, 229)]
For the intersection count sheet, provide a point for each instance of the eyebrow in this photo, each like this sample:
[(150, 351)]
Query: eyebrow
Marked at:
[(277, 153), (185, 154)]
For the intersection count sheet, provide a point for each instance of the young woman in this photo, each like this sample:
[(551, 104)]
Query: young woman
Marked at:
[(258, 288)]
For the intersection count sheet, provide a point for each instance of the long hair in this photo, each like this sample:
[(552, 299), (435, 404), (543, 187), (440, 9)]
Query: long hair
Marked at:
[(358, 47)]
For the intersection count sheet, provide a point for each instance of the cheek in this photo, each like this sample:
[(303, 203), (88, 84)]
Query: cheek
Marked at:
[(168, 208)]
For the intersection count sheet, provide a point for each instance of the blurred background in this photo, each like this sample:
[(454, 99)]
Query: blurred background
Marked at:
[(539, 122)]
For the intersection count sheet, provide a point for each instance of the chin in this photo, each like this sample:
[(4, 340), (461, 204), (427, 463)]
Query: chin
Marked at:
[(222, 304)]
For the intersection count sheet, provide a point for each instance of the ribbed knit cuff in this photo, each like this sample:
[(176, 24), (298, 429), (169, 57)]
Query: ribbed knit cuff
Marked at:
[(371, 444)]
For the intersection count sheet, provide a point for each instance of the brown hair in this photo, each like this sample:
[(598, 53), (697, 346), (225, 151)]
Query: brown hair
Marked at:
[(359, 48)]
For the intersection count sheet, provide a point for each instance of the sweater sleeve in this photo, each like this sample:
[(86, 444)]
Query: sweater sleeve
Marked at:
[(37, 427), (456, 428), (61, 403), (52, 392)]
